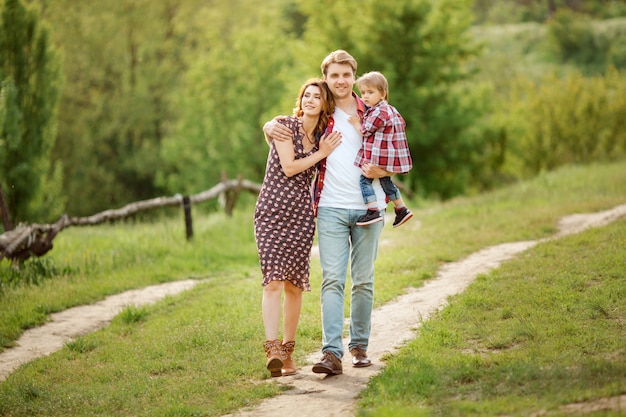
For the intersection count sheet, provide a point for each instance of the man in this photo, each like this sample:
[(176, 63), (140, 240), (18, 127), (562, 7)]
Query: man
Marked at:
[(339, 204)]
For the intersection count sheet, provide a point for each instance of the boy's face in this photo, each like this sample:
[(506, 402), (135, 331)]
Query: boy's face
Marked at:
[(340, 80), (370, 95)]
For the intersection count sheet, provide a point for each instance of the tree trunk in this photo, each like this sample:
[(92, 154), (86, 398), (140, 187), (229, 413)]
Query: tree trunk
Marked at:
[(551, 8)]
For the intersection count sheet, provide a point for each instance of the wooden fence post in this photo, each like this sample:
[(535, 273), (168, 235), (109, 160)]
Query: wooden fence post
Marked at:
[(231, 197), (188, 221), (4, 210)]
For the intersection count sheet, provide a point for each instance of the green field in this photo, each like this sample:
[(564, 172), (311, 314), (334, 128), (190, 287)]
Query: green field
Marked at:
[(542, 331)]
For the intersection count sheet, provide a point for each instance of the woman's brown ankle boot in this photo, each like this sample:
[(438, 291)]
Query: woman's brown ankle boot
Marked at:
[(286, 350), (273, 353)]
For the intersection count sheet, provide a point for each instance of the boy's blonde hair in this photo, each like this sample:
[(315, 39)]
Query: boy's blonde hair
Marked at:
[(374, 79)]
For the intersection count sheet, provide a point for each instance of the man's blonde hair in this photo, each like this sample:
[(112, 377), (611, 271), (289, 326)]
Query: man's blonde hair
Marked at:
[(374, 79), (338, 57)]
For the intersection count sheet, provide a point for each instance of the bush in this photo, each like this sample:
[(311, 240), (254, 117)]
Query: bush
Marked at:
[(572, 39), (565, 121)]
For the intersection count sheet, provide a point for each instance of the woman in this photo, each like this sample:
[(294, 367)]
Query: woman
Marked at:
[(284, 222)]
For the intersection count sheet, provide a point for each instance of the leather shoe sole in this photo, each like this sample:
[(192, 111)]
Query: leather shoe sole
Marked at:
[(361, 362), (359, 357), (326, 366), (319, 368)]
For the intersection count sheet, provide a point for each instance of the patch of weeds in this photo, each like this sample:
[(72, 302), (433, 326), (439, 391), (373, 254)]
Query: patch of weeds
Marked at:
[(467, 371), (500, 344), (199, 340), (29, 391), (32, 271), (506, 314), (524, 330), (393, 411), (182, 410), (598, 304), (133, 314), (165, 368), (80, 345)]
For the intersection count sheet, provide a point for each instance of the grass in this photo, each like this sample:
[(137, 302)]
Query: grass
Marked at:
[(89, 263), (493, 351), (543, 331)]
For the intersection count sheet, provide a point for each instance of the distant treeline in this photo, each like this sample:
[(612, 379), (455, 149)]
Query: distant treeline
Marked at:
[(106, 103), (518, 11)]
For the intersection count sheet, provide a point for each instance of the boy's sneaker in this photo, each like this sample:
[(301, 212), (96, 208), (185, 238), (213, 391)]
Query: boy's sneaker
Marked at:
[(372, 216), (402, 216)]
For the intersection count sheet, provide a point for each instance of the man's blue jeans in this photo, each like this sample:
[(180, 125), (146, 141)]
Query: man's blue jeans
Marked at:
[(341, 240)]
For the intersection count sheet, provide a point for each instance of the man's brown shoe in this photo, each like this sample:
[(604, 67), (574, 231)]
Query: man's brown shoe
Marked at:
[(330, 364), (359, 357)]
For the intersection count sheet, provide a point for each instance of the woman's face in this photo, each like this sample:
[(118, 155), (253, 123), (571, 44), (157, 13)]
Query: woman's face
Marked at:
[(312, 101)]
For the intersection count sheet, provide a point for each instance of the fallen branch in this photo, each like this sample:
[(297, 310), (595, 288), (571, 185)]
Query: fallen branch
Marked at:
[(27, 240), (36, 239)]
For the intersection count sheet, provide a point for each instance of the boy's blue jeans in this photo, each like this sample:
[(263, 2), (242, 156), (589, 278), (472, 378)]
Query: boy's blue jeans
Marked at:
[(369, 196)]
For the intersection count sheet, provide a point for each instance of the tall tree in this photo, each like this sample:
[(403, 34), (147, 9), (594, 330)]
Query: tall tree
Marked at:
[(330, 25), (237, 82), (122, 65), (422, 47), (29, 96)]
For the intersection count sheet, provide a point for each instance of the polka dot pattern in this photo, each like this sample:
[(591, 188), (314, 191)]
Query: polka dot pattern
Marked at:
[(284, 223)]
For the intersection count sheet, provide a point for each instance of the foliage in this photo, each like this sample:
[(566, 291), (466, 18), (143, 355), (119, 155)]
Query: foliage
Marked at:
[(234, 85), (573, 120), (574, 40), (34, 271), (614, 31), (165, 96), (517, 11), (590, 46), (422, 48), (539, 100), (122, 65), (29, 89), (331, 25)]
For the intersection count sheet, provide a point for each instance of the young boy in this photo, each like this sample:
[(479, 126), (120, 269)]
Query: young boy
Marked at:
[(384, 144)]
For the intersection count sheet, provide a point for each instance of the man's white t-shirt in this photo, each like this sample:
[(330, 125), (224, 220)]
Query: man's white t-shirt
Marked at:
[(341, 183)]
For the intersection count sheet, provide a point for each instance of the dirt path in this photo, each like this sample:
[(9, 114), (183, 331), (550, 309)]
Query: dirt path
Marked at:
[(392, 325), (78, 321), (396, 322)]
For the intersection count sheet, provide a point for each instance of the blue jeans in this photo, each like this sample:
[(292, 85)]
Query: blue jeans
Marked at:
[(341, 240), (369, 195)]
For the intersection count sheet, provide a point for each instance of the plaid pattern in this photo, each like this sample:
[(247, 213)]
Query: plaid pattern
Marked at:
[(321, 171), (384, 140)]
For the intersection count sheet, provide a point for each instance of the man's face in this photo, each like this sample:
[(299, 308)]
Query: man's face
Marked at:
[(340, 80)]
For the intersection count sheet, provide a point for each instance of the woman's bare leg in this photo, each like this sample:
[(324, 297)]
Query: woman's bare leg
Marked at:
[(271, 307), (293, 306)]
